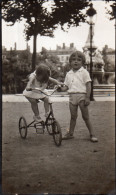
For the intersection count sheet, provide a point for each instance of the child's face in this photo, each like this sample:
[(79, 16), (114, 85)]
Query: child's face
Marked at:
[(76, 62)]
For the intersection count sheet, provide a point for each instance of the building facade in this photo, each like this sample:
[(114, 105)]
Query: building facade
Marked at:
[(63, 52)]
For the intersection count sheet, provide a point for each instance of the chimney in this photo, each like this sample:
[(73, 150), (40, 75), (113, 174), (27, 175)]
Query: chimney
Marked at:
[(15, 46), (71, 45), (63, 45)]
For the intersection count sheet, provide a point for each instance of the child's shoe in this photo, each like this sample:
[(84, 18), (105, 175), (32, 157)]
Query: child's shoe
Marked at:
[(93, 139), (68, 136), (37, 119)]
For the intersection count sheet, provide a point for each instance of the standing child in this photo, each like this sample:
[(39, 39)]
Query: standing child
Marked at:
[(78, 84), (39, 79)]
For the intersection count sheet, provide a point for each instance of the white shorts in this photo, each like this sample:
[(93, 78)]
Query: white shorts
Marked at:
[(75, 98)]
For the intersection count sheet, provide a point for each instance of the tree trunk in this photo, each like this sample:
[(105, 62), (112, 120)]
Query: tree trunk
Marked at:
[(34, 52)]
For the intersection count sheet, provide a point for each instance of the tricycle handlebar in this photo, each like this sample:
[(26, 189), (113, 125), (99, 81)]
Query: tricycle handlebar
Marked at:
[(37, 89)]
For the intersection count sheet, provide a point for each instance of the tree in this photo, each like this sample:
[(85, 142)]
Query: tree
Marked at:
[(69, 12), (36, 16), (39, 20), (112, 12)]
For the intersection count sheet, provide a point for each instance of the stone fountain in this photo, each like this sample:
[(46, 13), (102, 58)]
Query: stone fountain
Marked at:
[(101, 75)]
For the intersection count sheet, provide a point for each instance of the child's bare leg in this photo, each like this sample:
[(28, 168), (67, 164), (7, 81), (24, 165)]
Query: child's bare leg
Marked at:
[(46, 104), (73, 112), (35, 109), (34, 106), (85, 115)]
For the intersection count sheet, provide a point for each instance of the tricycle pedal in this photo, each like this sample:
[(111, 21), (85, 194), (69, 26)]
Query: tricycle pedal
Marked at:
[(39, 127)]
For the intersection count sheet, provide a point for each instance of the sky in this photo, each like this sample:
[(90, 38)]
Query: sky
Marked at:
[(104, 34)]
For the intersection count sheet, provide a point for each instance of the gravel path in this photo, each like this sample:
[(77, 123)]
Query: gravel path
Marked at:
[(36, 165)]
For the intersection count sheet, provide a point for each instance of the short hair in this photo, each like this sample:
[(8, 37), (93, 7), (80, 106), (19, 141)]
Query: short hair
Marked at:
[(77, 53), (43, 71)]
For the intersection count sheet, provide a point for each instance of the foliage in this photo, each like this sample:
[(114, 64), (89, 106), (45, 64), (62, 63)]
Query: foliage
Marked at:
[(50, 60), (13, 73), (112, 12), (69, 11), (66, 69), (25, 54), (38, 20), (36, 16)]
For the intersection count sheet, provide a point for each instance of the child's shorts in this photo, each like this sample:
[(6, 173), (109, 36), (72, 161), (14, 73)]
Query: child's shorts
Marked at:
[(75, 98)]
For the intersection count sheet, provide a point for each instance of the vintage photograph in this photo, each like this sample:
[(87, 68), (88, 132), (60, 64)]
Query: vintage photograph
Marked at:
[(58, 97)]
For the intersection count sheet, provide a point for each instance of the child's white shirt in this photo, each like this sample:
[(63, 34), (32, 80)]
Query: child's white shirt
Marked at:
[(36, 84), (76, 81)]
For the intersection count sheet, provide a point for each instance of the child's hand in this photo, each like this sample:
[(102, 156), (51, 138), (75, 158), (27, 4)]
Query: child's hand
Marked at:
[(87, 101), (28, 89), (59, 88), (60, 84)]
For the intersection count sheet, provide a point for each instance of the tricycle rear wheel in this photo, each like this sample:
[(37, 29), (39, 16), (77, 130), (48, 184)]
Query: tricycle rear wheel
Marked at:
[(49, 125), (22, 127)]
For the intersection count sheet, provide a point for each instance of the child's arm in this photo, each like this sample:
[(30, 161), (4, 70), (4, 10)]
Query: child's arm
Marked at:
[(62, 88), (54, 81), (88, 90), (31, 79)]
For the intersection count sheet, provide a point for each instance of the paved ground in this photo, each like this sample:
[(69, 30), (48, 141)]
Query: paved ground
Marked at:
[(54, 98), (36, 165)]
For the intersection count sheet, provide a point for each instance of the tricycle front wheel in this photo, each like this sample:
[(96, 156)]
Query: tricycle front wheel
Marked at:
[(22, 127), (57, 133)]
